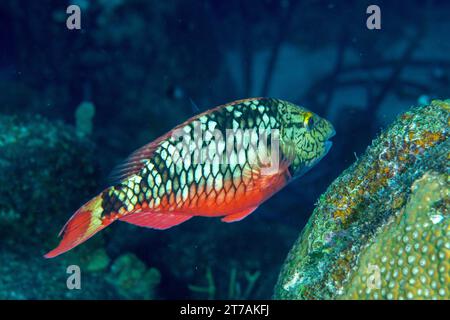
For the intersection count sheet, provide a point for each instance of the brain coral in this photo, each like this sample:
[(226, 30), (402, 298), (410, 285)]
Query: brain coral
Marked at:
[(382, 229)]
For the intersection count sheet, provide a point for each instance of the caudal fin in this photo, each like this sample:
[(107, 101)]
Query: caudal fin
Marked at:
[(81, 226)]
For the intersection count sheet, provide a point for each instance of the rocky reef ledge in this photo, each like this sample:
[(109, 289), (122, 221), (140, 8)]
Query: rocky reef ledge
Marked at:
[(382, 228)]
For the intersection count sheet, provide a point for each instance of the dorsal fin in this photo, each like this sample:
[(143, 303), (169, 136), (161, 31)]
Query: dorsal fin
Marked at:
[(136, 161), (194, 106)]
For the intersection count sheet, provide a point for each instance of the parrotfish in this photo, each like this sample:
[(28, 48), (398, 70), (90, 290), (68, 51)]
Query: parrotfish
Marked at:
[(223, 162)]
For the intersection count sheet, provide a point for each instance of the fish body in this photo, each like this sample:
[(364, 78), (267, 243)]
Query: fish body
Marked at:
[(221, 163)]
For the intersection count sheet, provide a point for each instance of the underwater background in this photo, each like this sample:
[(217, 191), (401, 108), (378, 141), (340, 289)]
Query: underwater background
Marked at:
[(75, 103)]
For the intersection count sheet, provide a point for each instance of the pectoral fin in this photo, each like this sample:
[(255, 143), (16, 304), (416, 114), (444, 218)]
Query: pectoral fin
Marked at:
[(238, 216)]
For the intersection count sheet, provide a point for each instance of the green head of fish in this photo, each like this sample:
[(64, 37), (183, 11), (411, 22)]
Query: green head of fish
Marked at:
[(303, 137)]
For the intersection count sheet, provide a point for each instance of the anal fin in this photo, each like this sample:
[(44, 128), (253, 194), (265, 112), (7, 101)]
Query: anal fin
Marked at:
[(154, 220), (238, 216)]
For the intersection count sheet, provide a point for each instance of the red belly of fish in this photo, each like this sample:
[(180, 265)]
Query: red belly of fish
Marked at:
[(226, 201)]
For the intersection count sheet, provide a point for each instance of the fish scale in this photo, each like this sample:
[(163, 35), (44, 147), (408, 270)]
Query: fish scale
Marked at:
[(191, 192), (211, 165)]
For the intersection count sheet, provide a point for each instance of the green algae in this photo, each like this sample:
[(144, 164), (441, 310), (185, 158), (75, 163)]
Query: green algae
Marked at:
[(132, 279), (98, 261)]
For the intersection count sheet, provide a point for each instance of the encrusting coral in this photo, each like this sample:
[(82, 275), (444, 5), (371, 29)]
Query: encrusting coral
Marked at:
[(382, 228), (132, 279), (411, 254)]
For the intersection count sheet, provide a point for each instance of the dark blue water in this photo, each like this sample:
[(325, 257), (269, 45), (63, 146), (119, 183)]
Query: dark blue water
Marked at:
[(76, 102)]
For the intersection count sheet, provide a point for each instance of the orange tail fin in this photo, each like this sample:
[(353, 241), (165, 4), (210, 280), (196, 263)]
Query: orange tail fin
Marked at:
[(81, 226)]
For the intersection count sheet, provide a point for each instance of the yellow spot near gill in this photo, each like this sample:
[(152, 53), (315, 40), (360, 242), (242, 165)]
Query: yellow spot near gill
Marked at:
[(308, 115)]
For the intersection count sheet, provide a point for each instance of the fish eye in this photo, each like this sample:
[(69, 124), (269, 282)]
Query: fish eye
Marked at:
[(309, 122)]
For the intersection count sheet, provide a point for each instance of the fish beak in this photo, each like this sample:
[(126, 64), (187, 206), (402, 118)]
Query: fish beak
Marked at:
[(329, 143), (332, 131), (332, 134)]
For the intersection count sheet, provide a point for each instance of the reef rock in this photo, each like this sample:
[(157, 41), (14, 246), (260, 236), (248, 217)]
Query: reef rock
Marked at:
[(382, 228), (46, 172)]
